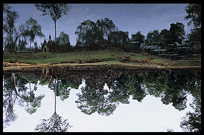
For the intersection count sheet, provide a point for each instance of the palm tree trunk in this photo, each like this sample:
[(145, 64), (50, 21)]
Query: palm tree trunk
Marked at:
[(55, 94), (55, 30), (30, 86)]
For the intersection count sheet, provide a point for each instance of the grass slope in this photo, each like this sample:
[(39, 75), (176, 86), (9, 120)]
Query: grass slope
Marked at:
[(111, 56)]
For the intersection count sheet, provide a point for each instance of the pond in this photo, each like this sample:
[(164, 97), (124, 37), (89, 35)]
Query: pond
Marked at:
[(107, 101)]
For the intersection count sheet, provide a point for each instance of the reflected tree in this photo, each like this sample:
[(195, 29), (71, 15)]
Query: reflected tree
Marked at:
[(55, 123), (138, 92), (175, 92), (14, 89), (26, 95), (9, 98), (192, 121), (92, 99), (118, 93), (172, 87), (156, 83), (32, 103), (63, 88), (132, 83)]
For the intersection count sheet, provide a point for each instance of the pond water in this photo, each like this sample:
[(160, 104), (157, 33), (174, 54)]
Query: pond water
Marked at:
[(106, 101)]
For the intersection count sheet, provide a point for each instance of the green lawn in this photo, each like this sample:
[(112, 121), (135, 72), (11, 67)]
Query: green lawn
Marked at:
[(111, 55)]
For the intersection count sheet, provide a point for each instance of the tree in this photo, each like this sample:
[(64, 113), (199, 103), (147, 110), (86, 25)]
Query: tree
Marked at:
[(118, 38), (55, 123), (94, 99), (156, 83), (63, 39), (137, 39), (32, 102), (105, 26), (177, 32), (164, 38), (10, 30), (194, 14), (192, 121), (6, 8), (55, 11), (87, 33), (195, 38), (33, 29), (9, 98), (22, 40), (95, 34), (152, 38)]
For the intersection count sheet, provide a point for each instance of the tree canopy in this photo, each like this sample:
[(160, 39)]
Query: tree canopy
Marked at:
[(55, 11), (33, 29), (193, 11)]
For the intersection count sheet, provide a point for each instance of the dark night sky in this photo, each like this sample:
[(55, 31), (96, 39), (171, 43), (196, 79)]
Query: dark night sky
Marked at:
[(127, 17)]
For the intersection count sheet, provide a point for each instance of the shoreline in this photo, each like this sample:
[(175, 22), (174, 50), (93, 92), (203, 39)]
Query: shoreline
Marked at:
[(90, 66)]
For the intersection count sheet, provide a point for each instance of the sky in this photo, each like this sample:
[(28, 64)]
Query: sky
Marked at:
[(127, 17), (150, 115)]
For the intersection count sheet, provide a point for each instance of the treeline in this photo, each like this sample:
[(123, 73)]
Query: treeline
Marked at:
[(104, 33)]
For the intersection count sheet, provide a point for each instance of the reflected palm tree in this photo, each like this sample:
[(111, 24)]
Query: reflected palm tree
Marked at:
[(9, 98), (14, 90), (55, 123)]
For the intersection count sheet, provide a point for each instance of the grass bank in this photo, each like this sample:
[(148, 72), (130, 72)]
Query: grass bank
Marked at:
[(111, 56)]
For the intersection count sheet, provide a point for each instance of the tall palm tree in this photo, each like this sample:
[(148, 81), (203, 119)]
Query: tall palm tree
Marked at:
[(55, 123)]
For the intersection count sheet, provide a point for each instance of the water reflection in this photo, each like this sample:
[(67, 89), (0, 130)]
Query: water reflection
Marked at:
[(55, 123), (172, 87)]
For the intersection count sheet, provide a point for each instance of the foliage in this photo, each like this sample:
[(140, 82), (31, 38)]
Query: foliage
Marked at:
[(156, 84), (105, 26), (193, 11), (177, 32), (87, 34), (194, 14), (171, 87), (152, 38), (63, 39), (192, 121), (32, 102), (165, 38), (55, 11), (95, 35), (137, 39), (9, 29), (9, 98), (118, 38), (54, 124), (33, 29), (93, 100)]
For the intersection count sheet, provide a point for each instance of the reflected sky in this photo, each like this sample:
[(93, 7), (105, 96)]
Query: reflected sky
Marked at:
[(150, 115), (102, 101), (127, 17)]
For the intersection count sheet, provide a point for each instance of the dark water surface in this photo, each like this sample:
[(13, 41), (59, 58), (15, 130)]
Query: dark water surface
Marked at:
[(106, 101)]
